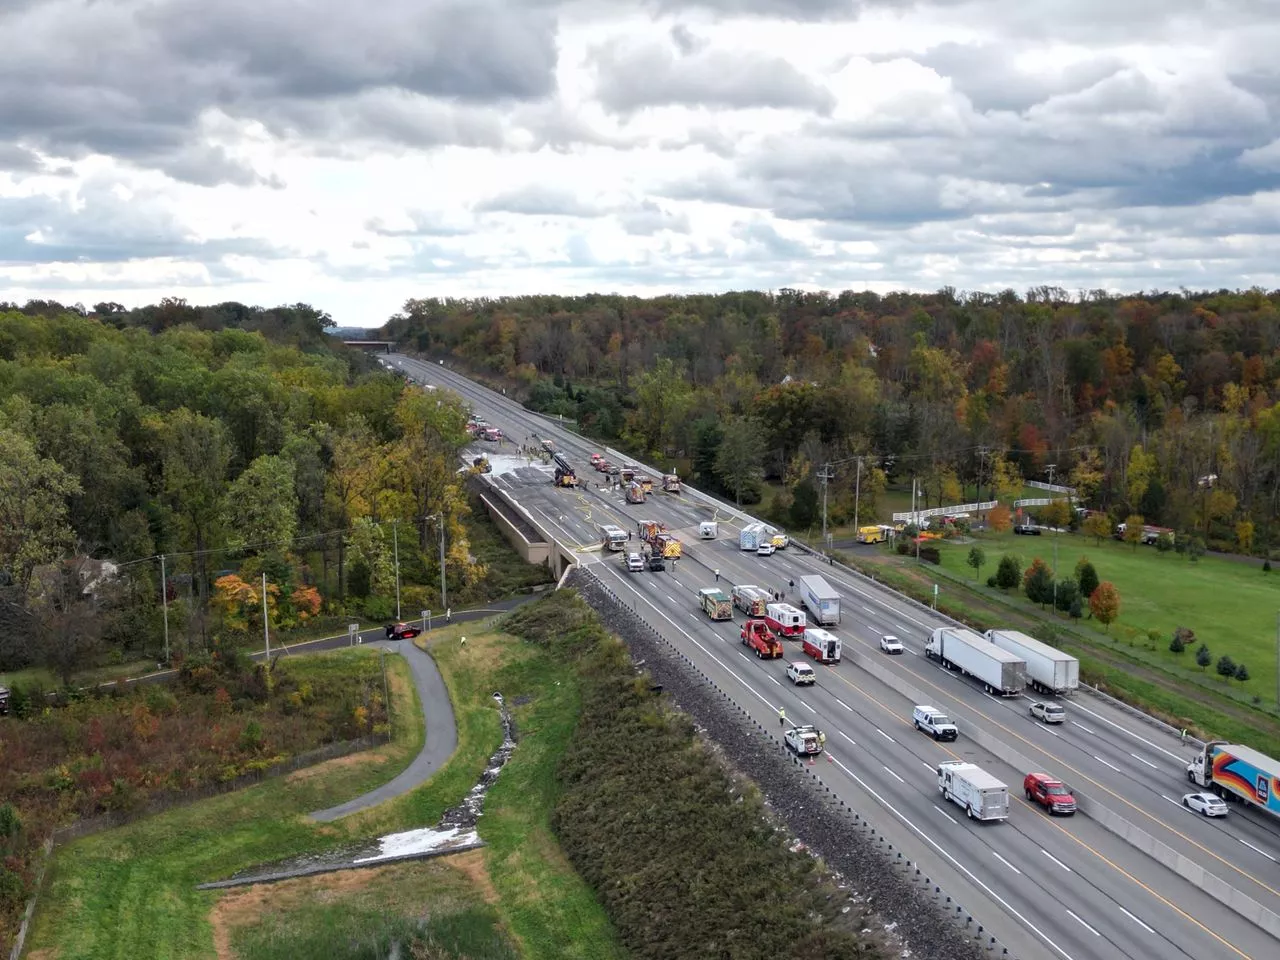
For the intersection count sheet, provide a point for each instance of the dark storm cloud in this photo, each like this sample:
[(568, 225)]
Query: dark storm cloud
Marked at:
[(132, 79), (631, 76)]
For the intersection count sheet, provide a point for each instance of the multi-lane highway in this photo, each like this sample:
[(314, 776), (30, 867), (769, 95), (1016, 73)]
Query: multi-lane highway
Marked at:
[(1051, 888)]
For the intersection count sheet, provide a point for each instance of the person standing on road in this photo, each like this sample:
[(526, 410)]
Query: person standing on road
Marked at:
[(717, 576), (782, 716)]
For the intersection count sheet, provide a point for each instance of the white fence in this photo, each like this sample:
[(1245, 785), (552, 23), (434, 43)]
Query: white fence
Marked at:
[(950, 511), (1051, 487)]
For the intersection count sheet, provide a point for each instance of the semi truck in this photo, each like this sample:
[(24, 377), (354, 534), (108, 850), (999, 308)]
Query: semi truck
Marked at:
[(822, 602), (784, 619), (715, 603), (1049, 670), (1231, 770), (757, 635), (750, 599), (967, 785), (975, 656), (822, 646)]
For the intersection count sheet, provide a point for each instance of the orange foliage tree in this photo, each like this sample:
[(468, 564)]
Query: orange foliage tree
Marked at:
[(1104, 603)]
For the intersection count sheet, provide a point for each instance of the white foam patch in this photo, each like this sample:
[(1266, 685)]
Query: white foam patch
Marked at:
[(420, 841)]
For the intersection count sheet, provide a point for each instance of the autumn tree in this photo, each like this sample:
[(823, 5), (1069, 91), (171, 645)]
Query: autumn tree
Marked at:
[(1104, 603), (261, 508), (240, 601), (1244, 536), (1142, 467), (1009, 572), (1056, 514), (1006, 481), (738, 459), (1098, 525), (1037, 582), (1133, 529), (1087, 475), (1000, 519)]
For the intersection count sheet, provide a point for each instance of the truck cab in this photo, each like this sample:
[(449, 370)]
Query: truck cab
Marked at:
[(934, 722), (757, 635)]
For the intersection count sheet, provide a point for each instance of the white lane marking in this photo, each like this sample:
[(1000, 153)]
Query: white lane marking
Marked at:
[(912, 652), (1258, 850), (1006, 863), (868, 609), (1106, 764), (744, 656), (944, 813), (1048, 730), (990, 697), (807, 707), (885, 735), (672, 599), (901, 627), (843, 704), (1147, 762), (775, 680), (1083, 924), (847, 737), (892, 774), (1084, 728), (1055, 859), (1153, 746), (928, 766), (1136, 920)]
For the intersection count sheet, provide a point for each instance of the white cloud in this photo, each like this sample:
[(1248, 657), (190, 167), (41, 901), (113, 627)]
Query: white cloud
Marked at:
[(277, 152)]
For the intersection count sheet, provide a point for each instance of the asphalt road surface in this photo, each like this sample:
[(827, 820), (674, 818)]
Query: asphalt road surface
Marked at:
[(1046, 887)]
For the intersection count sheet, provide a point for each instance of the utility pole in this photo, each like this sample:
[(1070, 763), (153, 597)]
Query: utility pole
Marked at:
[(266, 625), (444, 595), (395, 543), (1051, 468), (164, 605), (982, 469), (825, 476), (915, 517), (857, 493)]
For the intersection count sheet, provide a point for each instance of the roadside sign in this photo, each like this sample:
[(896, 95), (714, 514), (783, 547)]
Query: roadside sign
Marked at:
[(353, 632)]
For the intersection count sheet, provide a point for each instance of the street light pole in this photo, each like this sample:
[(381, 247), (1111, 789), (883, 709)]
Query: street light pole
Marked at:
[(266, 624), (164, 605), (857, 494), (395, 542)]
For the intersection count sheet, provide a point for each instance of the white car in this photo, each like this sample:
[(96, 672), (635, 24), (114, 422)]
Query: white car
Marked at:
[(890, 644), (800, 673), (765, 550), (1048, 712), (1205, 804)]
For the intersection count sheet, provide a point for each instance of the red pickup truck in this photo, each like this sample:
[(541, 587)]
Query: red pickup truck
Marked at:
[(1050, 792), (757, 635)]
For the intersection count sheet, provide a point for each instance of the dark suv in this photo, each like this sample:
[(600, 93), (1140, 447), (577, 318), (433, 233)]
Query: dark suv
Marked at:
[(657, 562)]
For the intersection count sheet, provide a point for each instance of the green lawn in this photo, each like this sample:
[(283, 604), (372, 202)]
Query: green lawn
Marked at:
[(1231, 606), (360, 915)]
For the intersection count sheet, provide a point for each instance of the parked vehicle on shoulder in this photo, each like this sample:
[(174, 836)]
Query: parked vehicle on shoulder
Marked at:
[(765, 550), (806, 740), (890, 644), (801, 673), (1205, 804), (1049, 712), (934, 722), (1050, 792)]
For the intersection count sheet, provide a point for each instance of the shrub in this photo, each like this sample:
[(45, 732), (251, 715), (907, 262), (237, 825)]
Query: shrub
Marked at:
[(1266, 566), (1242, 672), (930, 555), (1183, 637), (1164, 543), (1067, 593), (1037, 583), (1195, 549), (904, 547), (1203, 657), (1009, 572), (1077, 608), (1226, 666), (991, 581), (1087, 578)]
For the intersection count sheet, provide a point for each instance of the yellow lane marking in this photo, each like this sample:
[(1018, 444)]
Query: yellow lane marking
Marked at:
[(893, 713), (1172, 906)]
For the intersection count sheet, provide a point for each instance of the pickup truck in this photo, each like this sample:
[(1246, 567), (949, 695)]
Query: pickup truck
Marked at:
[(934, 722), (1050, 792)]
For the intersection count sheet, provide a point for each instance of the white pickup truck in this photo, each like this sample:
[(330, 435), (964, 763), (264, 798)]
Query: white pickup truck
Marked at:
[(934, 722)]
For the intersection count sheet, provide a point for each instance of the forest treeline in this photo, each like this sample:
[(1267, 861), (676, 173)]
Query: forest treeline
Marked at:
[(1159, 405), (234, 440)]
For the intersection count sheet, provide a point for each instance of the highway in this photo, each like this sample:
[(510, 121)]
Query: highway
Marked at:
[(1051, 887)]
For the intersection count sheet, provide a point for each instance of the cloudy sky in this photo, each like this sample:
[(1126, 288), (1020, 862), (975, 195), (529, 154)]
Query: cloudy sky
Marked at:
[(353, 155)]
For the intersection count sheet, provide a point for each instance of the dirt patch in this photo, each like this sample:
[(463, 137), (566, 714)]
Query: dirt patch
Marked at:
[(340, 763), (473, 866), (44, 953), (246, 906)]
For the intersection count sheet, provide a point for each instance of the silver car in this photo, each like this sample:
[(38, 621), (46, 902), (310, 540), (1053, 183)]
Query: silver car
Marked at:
[(1049, 712), (890, 644)]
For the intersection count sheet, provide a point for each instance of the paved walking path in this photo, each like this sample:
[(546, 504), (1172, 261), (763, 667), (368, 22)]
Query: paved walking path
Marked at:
[(437, 710)]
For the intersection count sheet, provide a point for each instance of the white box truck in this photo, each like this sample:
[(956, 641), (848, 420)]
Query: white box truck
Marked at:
[(974, 655), (822, 602), (751, 536), (979, 792), (1049, 670)]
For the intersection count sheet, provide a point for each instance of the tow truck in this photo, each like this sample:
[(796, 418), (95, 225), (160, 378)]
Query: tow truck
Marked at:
[(565, 475), (757, 635), (804, 741)]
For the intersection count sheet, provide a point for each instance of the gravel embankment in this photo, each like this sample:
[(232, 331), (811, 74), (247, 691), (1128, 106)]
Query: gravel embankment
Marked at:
[(908, 911)]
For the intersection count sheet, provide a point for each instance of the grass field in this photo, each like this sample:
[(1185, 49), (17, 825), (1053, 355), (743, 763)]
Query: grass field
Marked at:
[(130, 892), (366, 913), (1231, 606)]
